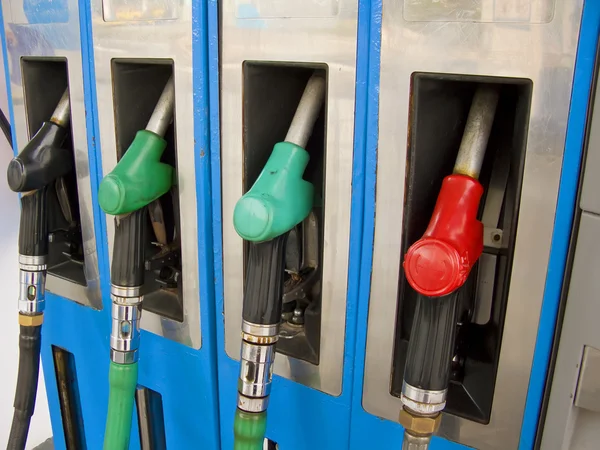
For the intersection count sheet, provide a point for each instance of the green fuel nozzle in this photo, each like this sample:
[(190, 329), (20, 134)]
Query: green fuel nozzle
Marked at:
[(278, 201), (280, 198), (139, 178)]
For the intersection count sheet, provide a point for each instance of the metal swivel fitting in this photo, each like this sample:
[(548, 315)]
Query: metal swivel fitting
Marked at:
[(256, 366), (32, 284), (125, 333)]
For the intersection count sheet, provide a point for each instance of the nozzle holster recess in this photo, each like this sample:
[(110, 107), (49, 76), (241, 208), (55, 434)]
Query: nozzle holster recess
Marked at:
[(41, 161), (139, 178), (440, 262), (279, 199)]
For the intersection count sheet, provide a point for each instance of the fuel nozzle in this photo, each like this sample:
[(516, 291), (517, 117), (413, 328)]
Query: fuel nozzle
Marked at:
[(138, 179), (41, 162), (437, 266), (278, 201)]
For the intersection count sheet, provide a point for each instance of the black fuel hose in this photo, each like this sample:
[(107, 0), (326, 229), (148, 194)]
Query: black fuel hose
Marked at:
[(29, 363), (5, 126)]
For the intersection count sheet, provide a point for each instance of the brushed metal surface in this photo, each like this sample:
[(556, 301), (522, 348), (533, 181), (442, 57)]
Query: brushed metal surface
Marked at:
[(146, 40), (274, 35), (60, 39), (513, 11), (546, 55)]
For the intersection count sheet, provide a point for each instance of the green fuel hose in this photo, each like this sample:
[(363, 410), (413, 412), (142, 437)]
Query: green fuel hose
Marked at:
[(122, 380), (249, 430)]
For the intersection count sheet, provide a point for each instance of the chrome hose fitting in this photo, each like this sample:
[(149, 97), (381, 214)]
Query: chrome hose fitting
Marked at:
[(256, 366), (32, 284), (423, 401), (126, 313)]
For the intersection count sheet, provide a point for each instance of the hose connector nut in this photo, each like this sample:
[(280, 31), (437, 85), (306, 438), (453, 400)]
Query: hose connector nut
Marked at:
[(419, 425)]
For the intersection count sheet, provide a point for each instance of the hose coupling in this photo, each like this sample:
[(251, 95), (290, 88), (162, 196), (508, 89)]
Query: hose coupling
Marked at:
[(423, 401), (32, 291), (418, 428), (125, 333), (256, 366)]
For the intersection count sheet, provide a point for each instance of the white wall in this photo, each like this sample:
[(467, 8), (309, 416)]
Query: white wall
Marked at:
[(9, 278)]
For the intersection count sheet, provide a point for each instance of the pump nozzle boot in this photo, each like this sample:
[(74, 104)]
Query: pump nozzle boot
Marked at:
[(279, 199), (139, 178), (42, 161)]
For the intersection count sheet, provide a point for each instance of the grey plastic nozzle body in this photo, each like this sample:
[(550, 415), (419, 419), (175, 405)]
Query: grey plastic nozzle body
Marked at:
[(62, 113), (163, 111), (307, 112), (477, 132)]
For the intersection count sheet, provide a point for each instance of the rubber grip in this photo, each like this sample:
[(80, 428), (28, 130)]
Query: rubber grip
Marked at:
[(431, 344), (127, 269), (42, 160), (33, 226), (249, 430), (122, 380), (27, 382), (264, 281)]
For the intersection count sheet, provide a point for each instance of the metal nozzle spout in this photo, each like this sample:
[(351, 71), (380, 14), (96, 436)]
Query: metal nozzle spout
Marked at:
[(163, 112), (307, 112), (477, 132), (62, 113)]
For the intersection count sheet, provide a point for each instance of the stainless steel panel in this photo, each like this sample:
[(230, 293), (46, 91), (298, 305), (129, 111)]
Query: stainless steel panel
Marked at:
[(154, 39), (567, 427), (514, 11), (590, 200), (273, 37), (128, 10), (57, 40), (546, 55), (588, 387)]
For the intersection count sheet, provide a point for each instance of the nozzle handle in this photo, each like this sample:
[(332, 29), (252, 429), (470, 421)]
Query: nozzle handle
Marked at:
[(279, 199), (139, 178), (41, 161), (264, 282), (33, 226), (431, 344), (127, 269)]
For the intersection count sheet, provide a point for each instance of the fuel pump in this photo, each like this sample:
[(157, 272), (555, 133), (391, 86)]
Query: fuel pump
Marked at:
[(278, 201), (437, 266), (137, 180), (40, 164)]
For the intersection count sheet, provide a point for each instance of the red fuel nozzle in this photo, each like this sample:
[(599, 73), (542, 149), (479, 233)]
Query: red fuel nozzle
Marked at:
[(440, 262)]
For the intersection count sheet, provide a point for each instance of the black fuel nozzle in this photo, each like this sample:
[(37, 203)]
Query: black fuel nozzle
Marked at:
[(43, 159)]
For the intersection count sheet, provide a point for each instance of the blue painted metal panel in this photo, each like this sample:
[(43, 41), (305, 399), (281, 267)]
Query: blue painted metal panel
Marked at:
[(369, 431), (185, 378)]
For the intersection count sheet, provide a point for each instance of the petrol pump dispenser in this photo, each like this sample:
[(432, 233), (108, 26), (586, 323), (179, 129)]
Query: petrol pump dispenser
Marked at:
[(279, 200), (436, 266), (35, 170), (138, 179)]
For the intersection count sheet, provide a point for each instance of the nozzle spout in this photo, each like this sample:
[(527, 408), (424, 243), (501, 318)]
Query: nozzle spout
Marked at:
[(163, 111), (62, 113), (477, 132), (307, 112)]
